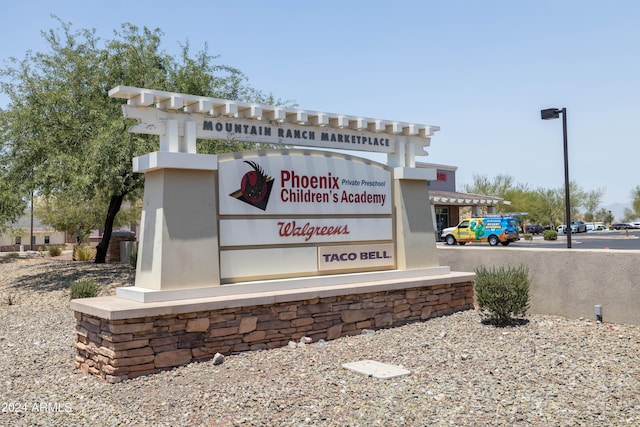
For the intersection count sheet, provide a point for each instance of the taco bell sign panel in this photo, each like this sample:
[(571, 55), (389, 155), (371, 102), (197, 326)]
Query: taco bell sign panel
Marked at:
[(355, 256)]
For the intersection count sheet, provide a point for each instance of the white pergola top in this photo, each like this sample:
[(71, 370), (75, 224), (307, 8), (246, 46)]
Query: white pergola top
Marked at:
[(181, 118), (224, 107)]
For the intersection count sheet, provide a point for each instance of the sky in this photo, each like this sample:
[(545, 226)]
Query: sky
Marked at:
[(480, 70)]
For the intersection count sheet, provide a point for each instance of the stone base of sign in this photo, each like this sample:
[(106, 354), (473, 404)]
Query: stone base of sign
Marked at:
[(120, 339)]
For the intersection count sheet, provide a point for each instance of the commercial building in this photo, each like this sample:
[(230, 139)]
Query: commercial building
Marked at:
[(446, 201)]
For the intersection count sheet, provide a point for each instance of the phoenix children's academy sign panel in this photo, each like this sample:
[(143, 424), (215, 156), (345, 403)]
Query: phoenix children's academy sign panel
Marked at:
[(297, 182), (321, 211)]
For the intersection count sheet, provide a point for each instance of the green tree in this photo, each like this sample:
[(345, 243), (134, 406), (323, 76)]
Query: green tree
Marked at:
[(497, 187), (520, 197), (578, 197), (12, 204), (635, 202), (63, 136), (628, 215), (604, 216), (633, 213), (591, 202), (544, 206), (547, 207), (77, 217), (577, 200)]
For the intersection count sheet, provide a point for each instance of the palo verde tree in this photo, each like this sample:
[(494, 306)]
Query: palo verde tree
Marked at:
[(591, 202), (498, 187), (633, 213), (547, 206), (63, 136), (68, 212), (12, 204), (503, 186), (544, 206), (604, 215), (635, 200)]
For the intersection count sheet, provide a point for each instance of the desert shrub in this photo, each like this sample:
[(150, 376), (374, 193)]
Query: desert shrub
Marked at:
[(83, 253), (527, 236), (550, 235), (502, 293), (54, 250), (84, 288), (13, 255)]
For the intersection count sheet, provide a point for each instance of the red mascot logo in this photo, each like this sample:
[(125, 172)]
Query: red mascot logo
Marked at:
[(255, 187)]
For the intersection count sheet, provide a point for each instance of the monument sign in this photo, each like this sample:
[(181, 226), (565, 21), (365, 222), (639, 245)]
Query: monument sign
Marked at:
[(274, 214)]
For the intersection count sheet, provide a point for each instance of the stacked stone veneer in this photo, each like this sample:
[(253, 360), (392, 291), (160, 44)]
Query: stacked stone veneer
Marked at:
[(113, 251), (117, 350)]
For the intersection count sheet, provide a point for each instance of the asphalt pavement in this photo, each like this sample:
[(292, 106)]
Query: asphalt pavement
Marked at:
[(607, 239)]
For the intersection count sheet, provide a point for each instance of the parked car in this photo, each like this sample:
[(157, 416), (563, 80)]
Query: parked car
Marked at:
[(533, 228), (578, 227), (622, 226)]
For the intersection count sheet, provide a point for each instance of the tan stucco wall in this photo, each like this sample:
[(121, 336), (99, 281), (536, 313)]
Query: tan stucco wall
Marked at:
[(565, 282)]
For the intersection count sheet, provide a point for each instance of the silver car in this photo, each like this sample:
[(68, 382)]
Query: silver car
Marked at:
[(578, 227)]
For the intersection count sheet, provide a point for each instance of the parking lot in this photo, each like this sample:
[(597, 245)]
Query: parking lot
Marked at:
[(610, 239)]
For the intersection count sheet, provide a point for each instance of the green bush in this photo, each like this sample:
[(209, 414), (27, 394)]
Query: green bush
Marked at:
[(83, 253), (84, 288), (502, 293), (527, 236), (54, 250), (13, 255), (550, 235)]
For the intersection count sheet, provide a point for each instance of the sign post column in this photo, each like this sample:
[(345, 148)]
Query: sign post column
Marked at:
[(178, 246), (415, 234)]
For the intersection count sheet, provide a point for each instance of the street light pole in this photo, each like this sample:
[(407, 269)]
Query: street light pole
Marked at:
[(554, 113), (567, 200), (31, 235)]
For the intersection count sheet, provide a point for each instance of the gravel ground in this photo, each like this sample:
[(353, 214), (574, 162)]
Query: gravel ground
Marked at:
[(550, 371)]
